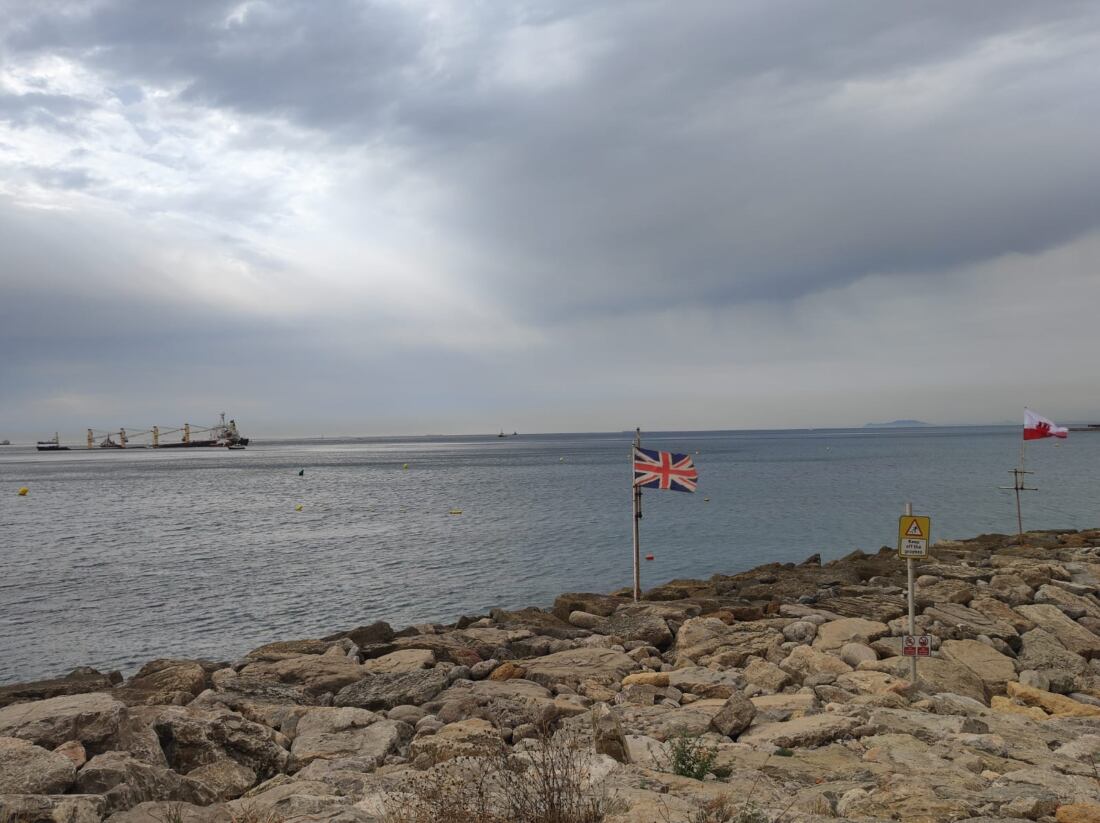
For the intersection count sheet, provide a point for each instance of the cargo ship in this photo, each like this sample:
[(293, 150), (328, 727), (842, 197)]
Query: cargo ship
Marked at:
[(223, 435)]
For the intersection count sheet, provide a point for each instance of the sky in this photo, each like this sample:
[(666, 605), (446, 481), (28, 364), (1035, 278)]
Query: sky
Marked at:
[(406, 216)]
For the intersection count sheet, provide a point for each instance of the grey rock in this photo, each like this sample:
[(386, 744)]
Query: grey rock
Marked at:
[(608, 735), (735, 715), (385, 691), (29, 769)]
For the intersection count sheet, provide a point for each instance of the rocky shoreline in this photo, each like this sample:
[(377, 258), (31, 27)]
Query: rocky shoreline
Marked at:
[(783, 687)]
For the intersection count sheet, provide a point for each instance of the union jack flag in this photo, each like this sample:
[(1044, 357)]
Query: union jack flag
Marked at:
[(664, 470)]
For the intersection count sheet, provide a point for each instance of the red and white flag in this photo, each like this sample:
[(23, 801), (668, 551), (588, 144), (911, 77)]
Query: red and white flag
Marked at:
[(1036, 427)]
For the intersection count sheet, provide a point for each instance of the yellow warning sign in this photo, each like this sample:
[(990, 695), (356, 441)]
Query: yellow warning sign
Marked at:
[(914, 533)]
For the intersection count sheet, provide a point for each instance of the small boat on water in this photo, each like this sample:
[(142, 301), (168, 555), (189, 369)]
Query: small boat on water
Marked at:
[(1088, 427), (5, 442)]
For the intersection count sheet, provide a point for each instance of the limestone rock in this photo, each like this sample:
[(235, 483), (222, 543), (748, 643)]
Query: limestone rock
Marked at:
[(658, 679), (664, 722), (163, 682), (967, 623), (347, 734), (879, 608), (806, 661), (508, 671), (195, 737), (385, 691), (801, 631), (282, 649), (577, 665), (374, 634), (466, 738), (29, 769), (1078, 813), (735, 715), (1056, 704), (706, 640), (1074, 637), (90, 718), (994, 668), (765, 677), (704, 682), (160, 811), (945, 591), (601, 605), (226, 778), (855, 653), (74, 751), (934, 675), (38, 808), (78, 681), (1072, 605), (316, 673), (607, 734), (836, 634), (1040, 650), (406, 660), (636, 623), (812, 730), (259, 699), (127, 781)]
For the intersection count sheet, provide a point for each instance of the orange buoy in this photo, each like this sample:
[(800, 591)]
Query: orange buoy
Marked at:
[(649, 557)]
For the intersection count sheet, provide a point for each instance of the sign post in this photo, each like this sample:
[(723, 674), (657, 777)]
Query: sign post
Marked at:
[(914, 534)]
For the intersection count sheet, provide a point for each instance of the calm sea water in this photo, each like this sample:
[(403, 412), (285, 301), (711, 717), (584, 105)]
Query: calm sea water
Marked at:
[(114, 558)]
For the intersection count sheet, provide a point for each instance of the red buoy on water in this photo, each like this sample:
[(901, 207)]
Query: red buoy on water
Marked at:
[(649, 557)]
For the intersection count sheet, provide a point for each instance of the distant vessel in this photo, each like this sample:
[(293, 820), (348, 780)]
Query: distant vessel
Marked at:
[(223, 435), (1089, 427), (53, 445), (5, 442)]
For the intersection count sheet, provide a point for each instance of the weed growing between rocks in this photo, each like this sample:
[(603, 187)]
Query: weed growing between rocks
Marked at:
[(688, 757), (545, 782)]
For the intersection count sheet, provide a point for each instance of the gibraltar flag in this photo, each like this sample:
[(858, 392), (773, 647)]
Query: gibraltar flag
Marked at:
[(1036, 427)]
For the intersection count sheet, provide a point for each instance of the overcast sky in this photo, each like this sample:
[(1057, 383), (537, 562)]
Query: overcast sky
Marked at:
[(406, 216)]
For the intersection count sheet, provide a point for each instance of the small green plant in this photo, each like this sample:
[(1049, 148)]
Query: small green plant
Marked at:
[(688, 757), (783, 752)]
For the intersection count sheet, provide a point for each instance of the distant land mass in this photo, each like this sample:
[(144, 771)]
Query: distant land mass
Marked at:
[(896, 424)]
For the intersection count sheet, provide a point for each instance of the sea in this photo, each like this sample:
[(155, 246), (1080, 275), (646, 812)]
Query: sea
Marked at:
[(116, 558)]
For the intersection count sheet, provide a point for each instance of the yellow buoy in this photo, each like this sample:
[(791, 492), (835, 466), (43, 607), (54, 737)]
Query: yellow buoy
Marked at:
[(455, 511), (23, 491), (405, 466), (298, 508)]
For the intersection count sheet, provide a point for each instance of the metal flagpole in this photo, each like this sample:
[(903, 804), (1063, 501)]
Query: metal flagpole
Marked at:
[(637, 495), (1017, 487)]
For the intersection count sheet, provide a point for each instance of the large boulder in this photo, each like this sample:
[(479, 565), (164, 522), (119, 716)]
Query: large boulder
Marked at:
[(41, 808), (602, 605), (848, 630), (1041, 651), (1070, 634), (29, 769), (405, 660), (577, 665), (78, 681), (935, 675), (607, 734), (805, 661), (507, 703), (735, 715), (466, 738), (811, 730), (387, 690), (707, 640), (704, 682), (226, 778), (164, 682), (161, 811), (192, 737), (347, 734), (94, 719), (636, 623), (992, 667), (317, 673), (127, 781), (257, 698), (962, 622)]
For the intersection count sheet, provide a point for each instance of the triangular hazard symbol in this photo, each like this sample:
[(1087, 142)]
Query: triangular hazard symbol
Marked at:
[(914, 530)]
